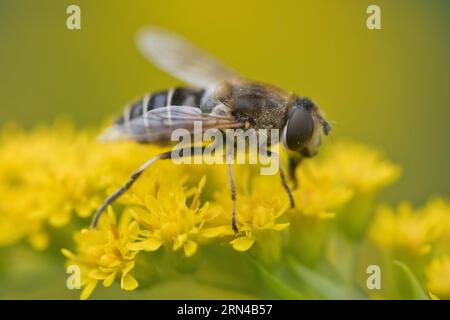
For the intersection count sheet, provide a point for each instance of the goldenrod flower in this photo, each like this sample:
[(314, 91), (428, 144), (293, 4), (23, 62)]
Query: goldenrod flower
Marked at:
[(40, 181), (362, 171), (438, 277), (358, 166), (317, 199), (259, 206), (166, 217), (17, 221), (49, 174), (408, 230), (104, 253), (318, 193)]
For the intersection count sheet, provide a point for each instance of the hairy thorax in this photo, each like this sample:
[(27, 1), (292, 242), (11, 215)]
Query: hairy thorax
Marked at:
[(263, 106)]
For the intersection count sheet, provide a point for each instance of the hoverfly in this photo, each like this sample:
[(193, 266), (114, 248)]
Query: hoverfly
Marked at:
[(220, 99)]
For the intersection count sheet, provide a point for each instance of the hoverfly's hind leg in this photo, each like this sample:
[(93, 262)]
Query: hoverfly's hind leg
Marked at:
[(135, 176), (293, 164)]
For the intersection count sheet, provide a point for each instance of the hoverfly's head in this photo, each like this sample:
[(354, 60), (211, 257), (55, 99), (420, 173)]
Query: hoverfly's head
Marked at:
[(304, 126)]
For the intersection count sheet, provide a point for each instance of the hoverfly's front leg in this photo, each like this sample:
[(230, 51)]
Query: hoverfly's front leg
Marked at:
[(267, 152), (229, 160), (294, 162), (286, 187)]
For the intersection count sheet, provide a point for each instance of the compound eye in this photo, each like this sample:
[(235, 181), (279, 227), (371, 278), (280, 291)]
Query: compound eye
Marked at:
[(299, 128)]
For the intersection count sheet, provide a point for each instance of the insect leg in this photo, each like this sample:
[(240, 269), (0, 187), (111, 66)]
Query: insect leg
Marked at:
[(282, 176), (229, 158), (132, 180), (286, 187), (127, 185), (293, 164), (233, 198)]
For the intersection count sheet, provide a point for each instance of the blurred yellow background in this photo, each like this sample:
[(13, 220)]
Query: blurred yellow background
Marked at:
[(385, 87)]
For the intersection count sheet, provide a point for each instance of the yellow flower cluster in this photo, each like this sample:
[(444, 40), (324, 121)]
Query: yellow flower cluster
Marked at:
[(104, 253), (49, 174), (344, 171), (171, 212), (261, 204), (438, 277), (358, 167), (166, 217), (413, 232), (319, 194), (52, 176), (421, 237)]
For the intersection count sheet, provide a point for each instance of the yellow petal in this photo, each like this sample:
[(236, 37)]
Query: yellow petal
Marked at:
[(202, 182), (106, 270), (280, 226), (97, 275), (69, 255), (133, 229), (87, 291), (128, 282), (128, 267), (109, 280), (115, 263), (151, 203), (179, 241), (216, 232), (111, 215), (141, 215), (243, 243), (198, 192), (130, 255), (108, 260), (151, 244), (190, 247)]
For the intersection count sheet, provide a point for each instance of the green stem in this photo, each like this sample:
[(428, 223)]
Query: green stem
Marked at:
[(279, 287)]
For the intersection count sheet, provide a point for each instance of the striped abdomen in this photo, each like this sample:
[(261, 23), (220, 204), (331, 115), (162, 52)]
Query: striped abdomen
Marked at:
[(181, 96)]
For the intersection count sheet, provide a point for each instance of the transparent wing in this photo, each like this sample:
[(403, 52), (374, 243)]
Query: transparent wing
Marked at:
[(157, 125), (180, 58)]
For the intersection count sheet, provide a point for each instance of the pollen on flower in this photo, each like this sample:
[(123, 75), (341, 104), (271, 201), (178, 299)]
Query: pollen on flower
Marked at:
[(104, 253)]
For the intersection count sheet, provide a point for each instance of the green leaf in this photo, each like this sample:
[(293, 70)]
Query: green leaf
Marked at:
[(324, 286), (279, 287), (412, 289)]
